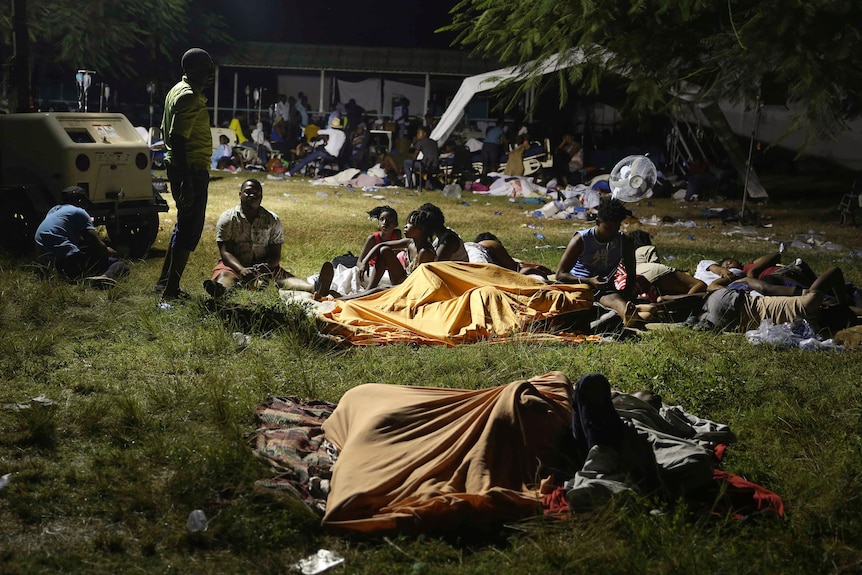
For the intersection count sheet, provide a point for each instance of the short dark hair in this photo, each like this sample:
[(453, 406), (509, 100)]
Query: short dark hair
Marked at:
[(640, 238), (375, 213), (612, 210), (253, 181), (486, 236), (196, 59), (76, 196)]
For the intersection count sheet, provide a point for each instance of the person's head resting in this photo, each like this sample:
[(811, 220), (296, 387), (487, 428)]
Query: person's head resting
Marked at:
[(609, 218), (75, 196), (640, 238), (486, 236), (385, 215), (197, 65), (731, 264), (436, 219), (223, 140), (250, 194)]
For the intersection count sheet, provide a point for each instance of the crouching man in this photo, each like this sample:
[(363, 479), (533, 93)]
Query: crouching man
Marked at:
[(68, 239), (249, 239)]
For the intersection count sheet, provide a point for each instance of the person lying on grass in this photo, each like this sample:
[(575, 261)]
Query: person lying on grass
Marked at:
[(488, 249), (592, 257), (768, 268), (824, 304), (416, 247), (249, 240), (666, 280)]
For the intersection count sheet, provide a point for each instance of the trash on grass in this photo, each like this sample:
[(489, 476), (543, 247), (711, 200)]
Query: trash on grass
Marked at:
[(786, 335), (242, 340), (321, 561), (39, 400), (197, 521)]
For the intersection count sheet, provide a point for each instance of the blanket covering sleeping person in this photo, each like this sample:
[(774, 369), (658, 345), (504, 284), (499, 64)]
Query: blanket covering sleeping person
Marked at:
[(428, 459), (451, 303), (413, 459)]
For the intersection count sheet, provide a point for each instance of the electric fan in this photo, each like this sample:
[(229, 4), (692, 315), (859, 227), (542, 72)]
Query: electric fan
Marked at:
[(632, 178)]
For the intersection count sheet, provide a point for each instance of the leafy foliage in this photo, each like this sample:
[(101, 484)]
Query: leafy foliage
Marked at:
[(115, 37), (737, 50)]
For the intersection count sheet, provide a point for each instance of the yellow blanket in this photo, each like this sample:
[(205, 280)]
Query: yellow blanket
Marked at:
[(430, 459), (453, 302)]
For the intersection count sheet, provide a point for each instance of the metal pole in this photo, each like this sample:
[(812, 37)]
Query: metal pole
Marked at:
[(757, 108), (21, 52), (215, 97)]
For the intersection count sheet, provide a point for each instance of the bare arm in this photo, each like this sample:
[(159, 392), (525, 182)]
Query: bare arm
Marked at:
[(273, 255), (761, 263), (393, 244), (230, 260), (725, 273), (569, 259), (92, 240), (426, 255), (629, 265)]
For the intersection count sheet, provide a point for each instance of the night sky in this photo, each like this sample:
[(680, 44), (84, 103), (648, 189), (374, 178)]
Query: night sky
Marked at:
[(406, 23)]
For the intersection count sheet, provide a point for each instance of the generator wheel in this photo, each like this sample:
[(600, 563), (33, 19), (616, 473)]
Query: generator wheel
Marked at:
[(18, 221), (138, 235)]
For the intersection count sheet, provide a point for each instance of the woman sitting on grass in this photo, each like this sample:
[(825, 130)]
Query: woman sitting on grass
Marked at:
[(416, 245), (447, 243), (387, 231), (350, 280)]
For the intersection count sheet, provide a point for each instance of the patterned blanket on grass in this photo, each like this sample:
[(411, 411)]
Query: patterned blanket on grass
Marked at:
[(290, 438)]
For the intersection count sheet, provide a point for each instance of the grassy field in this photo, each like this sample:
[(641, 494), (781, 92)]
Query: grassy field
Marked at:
[(146, 412)]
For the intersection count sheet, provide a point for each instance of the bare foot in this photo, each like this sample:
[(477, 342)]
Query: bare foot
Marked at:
[(646, 311), (327, 272)]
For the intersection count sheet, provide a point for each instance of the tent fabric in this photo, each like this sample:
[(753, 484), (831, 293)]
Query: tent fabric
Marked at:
[(451, 303), (427, 459), (366, 93), (490, 80), (413, 92)]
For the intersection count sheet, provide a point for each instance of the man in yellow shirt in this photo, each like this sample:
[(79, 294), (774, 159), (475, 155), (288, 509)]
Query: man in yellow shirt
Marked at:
[(188, 144)]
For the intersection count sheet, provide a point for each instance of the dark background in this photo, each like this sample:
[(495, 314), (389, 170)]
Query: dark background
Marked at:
[(405, 23)]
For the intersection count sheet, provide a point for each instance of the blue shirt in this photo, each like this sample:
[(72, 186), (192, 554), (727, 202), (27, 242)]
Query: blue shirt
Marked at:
[(61, 229), (494, 135)]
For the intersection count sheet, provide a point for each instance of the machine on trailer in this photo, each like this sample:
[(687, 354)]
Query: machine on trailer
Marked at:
[(43, 153)]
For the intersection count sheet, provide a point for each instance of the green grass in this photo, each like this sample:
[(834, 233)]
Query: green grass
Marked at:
[(151, 410)]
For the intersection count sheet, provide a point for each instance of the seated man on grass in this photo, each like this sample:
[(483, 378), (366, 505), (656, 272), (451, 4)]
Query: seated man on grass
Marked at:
[(249, 240)]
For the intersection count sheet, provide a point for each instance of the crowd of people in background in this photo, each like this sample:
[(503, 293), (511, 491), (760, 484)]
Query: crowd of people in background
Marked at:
[(622, 270)]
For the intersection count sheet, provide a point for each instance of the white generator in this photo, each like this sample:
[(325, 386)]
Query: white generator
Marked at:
[(43, 153)]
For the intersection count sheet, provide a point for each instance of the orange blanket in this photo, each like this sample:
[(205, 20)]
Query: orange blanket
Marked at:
[(426, 459), (453, 302)]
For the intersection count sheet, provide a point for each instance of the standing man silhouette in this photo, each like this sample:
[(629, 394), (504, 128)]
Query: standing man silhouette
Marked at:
[(188, 144)]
